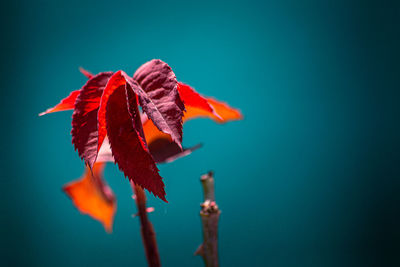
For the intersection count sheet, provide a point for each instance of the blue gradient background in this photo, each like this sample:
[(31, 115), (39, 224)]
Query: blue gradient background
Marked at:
[(309, 178)]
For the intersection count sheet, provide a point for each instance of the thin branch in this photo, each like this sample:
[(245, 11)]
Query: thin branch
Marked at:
[(146, 227), (209, 215)]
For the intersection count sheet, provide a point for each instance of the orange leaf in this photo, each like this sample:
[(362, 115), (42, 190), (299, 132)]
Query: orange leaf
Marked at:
[(152, 133), (224, 111), (92, 196)]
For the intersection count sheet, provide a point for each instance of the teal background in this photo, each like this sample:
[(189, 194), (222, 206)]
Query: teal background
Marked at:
[(310, 177)]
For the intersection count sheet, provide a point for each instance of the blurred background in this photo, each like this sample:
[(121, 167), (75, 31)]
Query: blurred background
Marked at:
[(310, 177)]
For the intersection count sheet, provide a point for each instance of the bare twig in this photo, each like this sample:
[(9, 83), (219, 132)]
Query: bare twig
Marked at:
[(209, 214), (147, 230)]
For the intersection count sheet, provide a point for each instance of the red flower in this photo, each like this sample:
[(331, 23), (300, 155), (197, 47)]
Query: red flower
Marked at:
[(107, 106)]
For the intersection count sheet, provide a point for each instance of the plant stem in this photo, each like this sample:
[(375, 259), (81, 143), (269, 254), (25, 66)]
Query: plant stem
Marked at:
[(147, 230), (209, 215)]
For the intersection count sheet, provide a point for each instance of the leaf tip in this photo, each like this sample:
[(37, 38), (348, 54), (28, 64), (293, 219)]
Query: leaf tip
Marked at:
[(88, 74), (161, 195)]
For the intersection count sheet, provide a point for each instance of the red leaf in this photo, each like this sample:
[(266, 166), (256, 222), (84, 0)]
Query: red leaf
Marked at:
[(161, 115), (128, 147), (159, 82), (117, 80), (84, 119), (67, 103)]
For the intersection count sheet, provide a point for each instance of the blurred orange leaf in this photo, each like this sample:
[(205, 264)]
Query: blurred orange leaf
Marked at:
[(93, 197)]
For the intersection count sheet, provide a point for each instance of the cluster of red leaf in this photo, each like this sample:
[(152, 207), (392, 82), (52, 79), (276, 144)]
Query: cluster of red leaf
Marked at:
[(108, 126)]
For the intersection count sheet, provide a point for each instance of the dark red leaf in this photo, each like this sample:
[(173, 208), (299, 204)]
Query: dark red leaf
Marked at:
[(84, 119), (117, 80), (161, 115), (128, 147), (160, 84), (163, 150)]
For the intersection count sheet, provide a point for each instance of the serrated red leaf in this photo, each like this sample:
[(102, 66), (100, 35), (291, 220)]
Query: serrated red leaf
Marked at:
[(128, 147), (161, 115), (84, 119), (159, 82), (67, 103), (116, 80)]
